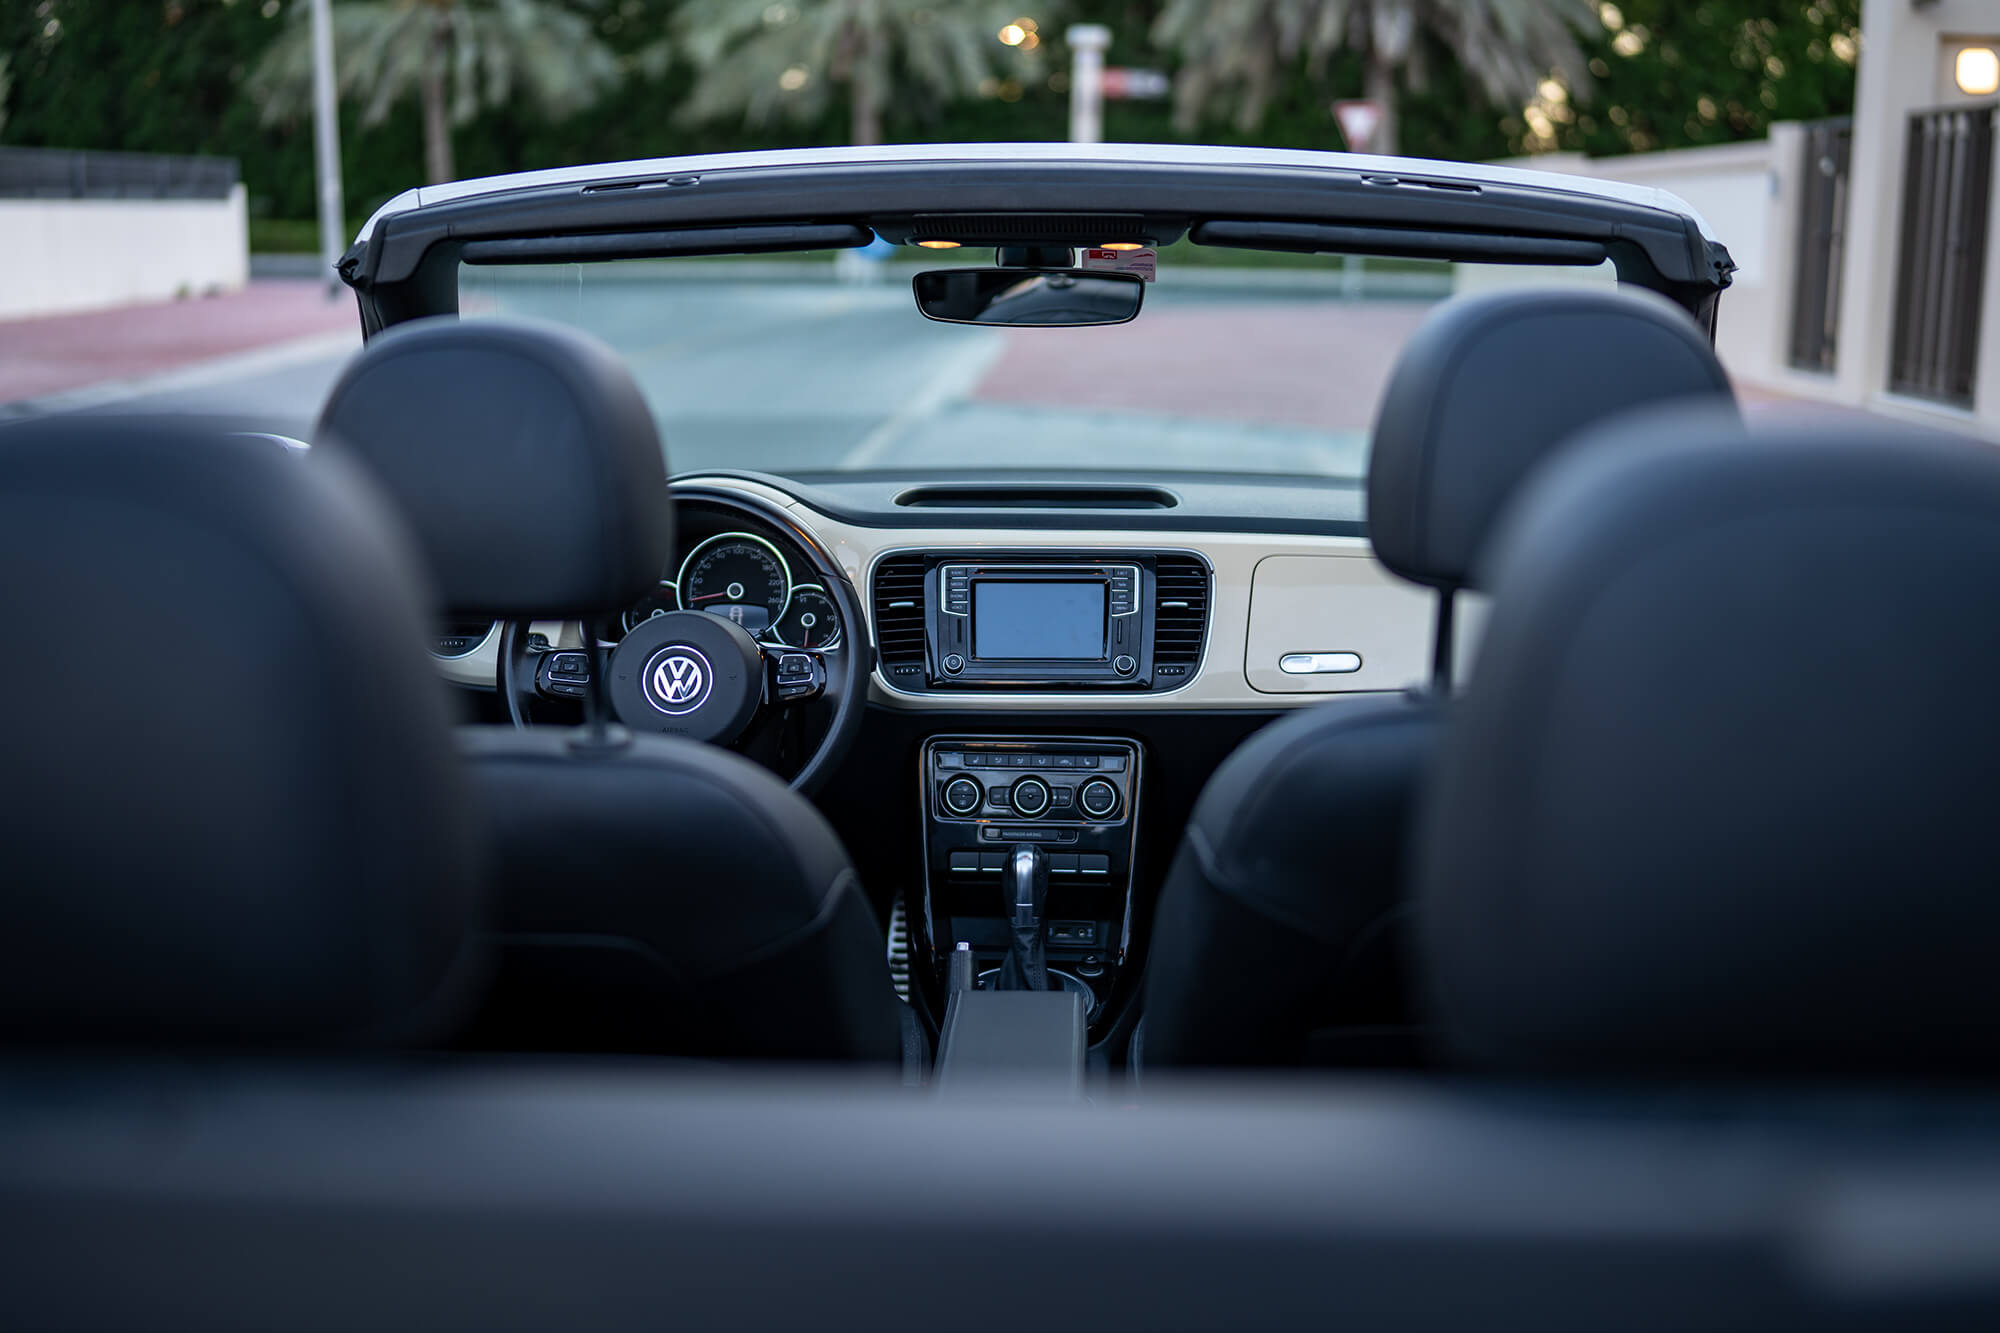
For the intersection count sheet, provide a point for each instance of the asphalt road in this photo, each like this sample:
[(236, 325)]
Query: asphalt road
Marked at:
[(778, 374)]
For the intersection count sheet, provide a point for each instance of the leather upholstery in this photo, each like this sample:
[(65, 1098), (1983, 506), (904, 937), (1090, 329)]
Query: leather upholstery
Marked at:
[(1484, 389), (1282, 931), (671, 896), (228, 805), (1722, 796), (1278, 911), (653, 894), (522, 455)]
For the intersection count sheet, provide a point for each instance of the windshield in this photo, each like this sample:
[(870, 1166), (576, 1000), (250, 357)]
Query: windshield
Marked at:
[(1239, 362)]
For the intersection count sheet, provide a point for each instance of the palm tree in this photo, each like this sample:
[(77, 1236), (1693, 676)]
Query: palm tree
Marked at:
[(758, 59), (456, 56), (1245, 46)]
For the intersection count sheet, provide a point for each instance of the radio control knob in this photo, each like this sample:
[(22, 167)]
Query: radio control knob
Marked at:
[(1029, 797), (1125, 664), (953, 664), (962, 796), (1098, 798)]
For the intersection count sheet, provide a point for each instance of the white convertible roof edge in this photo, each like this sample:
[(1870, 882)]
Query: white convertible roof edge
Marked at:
[(1163, 154)]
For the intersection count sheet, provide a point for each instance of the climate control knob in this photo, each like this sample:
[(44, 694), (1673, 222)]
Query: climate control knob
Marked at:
[(1098, 798), (963, 795), (1029, 797)]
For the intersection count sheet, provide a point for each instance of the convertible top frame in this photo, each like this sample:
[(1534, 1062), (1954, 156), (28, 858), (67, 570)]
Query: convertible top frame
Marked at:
[(404, 264)]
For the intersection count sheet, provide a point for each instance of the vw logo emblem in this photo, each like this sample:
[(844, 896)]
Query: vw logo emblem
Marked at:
[(677, 680)]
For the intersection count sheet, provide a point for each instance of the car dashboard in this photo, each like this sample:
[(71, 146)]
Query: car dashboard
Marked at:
[(1055, 664)]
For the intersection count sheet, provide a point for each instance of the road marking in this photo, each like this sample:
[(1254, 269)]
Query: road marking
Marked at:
[(200, 375), (955, 379)]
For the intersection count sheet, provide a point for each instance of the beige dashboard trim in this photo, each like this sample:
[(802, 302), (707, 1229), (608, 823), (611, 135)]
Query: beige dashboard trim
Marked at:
[(1397, 626)]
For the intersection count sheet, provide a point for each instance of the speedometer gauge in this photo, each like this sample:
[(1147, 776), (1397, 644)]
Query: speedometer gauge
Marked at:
[(739, 577), (810, 621)]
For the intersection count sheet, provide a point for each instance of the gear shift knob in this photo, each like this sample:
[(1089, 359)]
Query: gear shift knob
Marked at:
[(1025, 882)]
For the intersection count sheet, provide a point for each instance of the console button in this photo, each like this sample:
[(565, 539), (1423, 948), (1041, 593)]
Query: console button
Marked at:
[(1093, 863), (989, 861), (1029, 796), (1098, 798), (962, 795), (965, 860), (1061, 863)]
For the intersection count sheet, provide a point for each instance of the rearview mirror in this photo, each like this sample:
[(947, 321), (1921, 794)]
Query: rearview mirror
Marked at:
[(1022, 297)]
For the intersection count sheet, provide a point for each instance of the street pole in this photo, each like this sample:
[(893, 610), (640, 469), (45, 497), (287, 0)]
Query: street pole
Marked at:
[(1087, 43), (326, 145)]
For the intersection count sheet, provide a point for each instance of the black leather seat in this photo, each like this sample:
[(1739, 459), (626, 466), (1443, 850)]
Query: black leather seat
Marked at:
[(1281, 931), (654, 894), (1721, 798), (230, 807)]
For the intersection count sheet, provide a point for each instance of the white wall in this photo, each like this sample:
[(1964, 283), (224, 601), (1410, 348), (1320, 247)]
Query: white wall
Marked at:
[(1734, 187), (1904, 69), (63, 255)]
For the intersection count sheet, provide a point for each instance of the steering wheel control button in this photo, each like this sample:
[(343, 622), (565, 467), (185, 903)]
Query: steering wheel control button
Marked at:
[(575, 666), (962, 796), (1030, 797), (1098, 798), (953, 664), (1125, 664), (796, 676)]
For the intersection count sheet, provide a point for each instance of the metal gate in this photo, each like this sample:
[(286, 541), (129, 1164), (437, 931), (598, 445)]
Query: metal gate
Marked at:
[(1947, 188), (1822, 241)]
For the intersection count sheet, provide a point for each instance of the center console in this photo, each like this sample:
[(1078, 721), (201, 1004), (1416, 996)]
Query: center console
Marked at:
[(1077, 799)]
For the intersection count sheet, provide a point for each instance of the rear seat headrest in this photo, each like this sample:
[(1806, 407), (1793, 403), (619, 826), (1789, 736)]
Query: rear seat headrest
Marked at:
[(1721, 796), (522, 455), (1489, 386), (228, 801)]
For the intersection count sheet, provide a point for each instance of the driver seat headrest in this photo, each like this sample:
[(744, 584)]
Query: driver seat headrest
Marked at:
[(1489, 386), (1720, 797), (229, 805), (521, 454)]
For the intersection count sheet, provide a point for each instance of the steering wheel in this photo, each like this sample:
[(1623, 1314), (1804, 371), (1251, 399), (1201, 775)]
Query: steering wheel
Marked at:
[(693, 674)]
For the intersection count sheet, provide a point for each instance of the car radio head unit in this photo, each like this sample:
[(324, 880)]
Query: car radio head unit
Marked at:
[(1015, 623)]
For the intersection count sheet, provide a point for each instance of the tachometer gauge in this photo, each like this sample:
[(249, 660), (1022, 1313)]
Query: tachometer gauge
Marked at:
[(658, 602), (811, 621), (739, 577)]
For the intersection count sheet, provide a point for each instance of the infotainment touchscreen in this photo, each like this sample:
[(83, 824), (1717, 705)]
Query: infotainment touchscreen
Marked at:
[(1045, 620)]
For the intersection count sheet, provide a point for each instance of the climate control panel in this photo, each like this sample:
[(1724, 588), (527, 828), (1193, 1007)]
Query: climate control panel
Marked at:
[(1053, 783)]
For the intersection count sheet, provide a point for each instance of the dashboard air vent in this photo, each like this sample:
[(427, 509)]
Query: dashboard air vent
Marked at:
[(1180, 617), (899, 613), (1036, 497), (461, 638)]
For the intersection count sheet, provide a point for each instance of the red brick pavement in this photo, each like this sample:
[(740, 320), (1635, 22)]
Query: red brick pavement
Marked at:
[(62, 352), (1321, 365)]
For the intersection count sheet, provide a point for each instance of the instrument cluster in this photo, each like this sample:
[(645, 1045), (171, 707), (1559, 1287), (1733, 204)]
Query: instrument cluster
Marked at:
[(746, 578)]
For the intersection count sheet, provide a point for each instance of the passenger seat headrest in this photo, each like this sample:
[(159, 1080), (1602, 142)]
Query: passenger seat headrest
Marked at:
[(521, 454), (1491, 385), (1721, 796), (229, 804)]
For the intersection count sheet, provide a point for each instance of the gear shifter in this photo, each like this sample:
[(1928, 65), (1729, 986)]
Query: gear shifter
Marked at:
[(1025, 882)]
